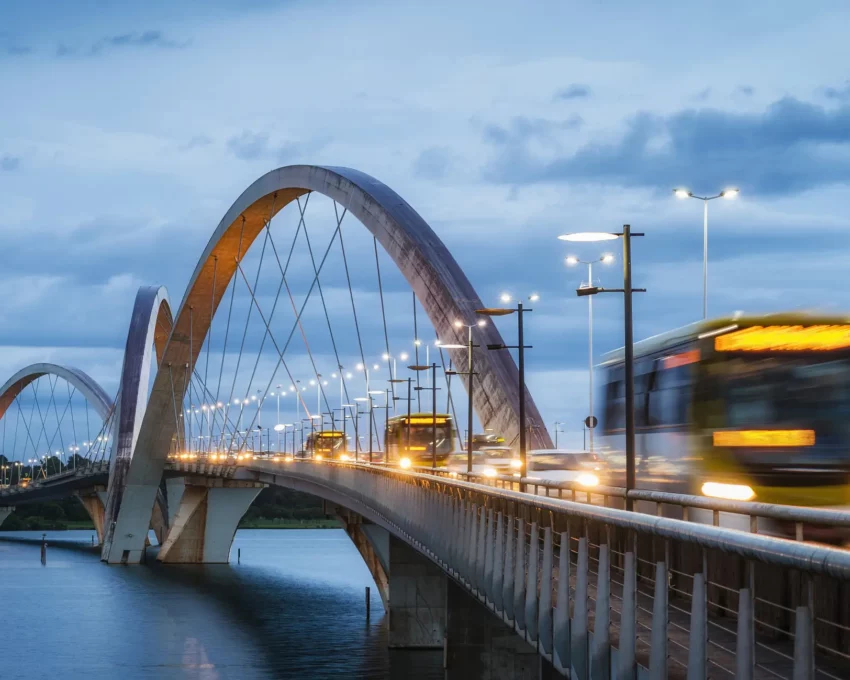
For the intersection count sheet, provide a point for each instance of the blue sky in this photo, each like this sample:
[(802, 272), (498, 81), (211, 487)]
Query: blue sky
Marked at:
[(128, 130)]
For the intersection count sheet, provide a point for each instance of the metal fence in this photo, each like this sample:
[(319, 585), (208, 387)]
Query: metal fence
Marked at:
[(606, 593)]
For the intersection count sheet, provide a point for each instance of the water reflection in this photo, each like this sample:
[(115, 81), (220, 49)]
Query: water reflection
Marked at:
[(294, 607)]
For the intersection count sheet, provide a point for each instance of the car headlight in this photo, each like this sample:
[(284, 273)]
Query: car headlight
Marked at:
[(318, 456), (732, 492), (587, 479), (404, 463), (489, 472), (344, 456), (516, 463)]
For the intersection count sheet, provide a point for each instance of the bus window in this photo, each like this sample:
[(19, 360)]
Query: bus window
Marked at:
[(670, 396)]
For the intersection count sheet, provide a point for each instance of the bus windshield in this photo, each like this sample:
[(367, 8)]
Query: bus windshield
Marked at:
[(328, 443), (810, 393), (421, 438)]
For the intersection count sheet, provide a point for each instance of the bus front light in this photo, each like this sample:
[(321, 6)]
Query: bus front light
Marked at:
[(516, 463), (404, 463), (731, 492), (489, 472)]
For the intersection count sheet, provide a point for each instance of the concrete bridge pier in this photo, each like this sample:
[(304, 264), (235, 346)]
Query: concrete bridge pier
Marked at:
[(94, 501), (480, 645), (205, 520), (5, 511)]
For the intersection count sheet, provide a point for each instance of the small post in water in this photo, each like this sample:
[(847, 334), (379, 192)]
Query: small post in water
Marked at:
[(238, 555), (368, 603), (44, 548)]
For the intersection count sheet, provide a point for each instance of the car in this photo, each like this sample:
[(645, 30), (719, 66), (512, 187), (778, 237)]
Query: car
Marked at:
[(564, 465), (489, 461)]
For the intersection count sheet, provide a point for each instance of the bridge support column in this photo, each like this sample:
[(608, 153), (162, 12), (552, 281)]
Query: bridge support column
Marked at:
[(5, 511), (417, 599), (94, 501), (373, 544), (480, 645), (206, 520)]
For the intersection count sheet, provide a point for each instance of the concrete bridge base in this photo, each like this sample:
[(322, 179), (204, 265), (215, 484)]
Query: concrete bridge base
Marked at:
[(205, 520), (417, 600), (94, 501), (373, 544), (480, 645), (4, 513)]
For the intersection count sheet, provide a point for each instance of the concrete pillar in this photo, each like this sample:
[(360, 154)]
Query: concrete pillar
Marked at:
[(174, 487), (373, 544), (94, 501), (417, 599), (480, 645), (206, 520), (5, 511)]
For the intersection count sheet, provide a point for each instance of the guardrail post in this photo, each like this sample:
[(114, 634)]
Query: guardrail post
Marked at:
[(457, 539), (531, 587), (628, 615), (658, 641), (744, 649), (544, 622), (463, 564), (519, 578), (579, 628), (804, 649), (481, 553), (601, 660), (508, 591), (561, 628), (498, 564), (473, 549), (696, 642), (489, 557)]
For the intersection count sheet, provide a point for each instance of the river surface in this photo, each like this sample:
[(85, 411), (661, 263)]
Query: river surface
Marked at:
[(294, 608)]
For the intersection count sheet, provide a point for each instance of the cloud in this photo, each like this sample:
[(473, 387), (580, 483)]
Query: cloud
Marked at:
[(145, 39), (16, 50), (745, 90), (250, 146), (523, 129), (197, 142), (432, 163), (702, 95), (9, 163), (574, 91), (839, 93), (791, 147)]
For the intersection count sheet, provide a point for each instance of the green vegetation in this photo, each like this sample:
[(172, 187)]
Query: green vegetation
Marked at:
[(275, 508)]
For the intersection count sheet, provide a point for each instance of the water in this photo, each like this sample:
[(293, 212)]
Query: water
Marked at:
[(294, 608)]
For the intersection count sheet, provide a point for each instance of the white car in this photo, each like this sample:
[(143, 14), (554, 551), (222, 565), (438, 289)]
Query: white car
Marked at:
[(562, 465), (489, 461)]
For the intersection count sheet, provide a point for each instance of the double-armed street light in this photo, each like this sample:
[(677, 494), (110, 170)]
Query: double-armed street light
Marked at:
[(572, 261), (505, 298), (433, 388), (727, 194), (626, 290), (470, 373)]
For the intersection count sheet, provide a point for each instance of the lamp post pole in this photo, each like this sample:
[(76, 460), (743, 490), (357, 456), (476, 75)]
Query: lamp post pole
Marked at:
[(434, 416)]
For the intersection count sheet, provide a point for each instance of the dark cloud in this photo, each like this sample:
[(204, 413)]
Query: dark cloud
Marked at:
[(522, 129), (778, 151), (702, 95), (839, 93), (9, 163), (145, 39), (574, 91), (432, 163), (745, 90), (16, 50), (197, 142), (250, 145)]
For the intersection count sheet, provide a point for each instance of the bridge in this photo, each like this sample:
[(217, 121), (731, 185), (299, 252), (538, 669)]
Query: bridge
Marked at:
[(512, 577)]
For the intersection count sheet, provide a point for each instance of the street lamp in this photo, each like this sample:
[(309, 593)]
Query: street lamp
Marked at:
[(558, 429), (521, 347), (727, 194), (433, 388), (627, 291), (571, 262), (471, 374)]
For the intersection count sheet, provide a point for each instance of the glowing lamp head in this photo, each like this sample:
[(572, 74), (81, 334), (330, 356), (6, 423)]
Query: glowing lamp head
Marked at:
[(505, 298), (571, 260), (403, 356), (375, 367), (607, 258), (359, 367), (730, 193), (681, 193), (458, 324), (588, 236), (481, 323), (279, 427), (385, 356), (534, 297)]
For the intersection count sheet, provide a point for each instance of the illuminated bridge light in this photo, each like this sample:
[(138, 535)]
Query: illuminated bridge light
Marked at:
[(764, 438), (785, 339)]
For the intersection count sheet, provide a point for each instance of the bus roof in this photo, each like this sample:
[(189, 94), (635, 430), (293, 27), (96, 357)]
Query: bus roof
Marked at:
[(679, 336), (403, 418)]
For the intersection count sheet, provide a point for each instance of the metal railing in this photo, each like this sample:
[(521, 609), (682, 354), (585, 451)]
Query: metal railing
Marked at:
[(607, 593)]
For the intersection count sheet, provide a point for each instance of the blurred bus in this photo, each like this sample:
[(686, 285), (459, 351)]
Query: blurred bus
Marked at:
[(418, 450), (486, 439), (328, 444), (744, 408)]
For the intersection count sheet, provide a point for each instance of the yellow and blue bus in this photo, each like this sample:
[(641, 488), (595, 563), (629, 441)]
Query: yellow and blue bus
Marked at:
[(744, 408), (409, 441)]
